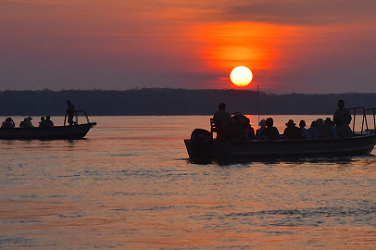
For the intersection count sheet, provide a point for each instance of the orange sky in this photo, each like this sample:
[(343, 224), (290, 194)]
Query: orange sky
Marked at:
[(291, 46)]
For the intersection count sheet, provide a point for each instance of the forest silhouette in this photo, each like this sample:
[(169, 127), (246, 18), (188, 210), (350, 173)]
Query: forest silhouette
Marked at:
[(167, 101)]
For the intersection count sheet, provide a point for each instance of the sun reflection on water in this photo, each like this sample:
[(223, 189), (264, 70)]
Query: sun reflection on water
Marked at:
[(132, 188)]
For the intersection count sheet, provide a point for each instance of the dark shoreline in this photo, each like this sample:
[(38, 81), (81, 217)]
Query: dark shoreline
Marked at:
[(166, 101)]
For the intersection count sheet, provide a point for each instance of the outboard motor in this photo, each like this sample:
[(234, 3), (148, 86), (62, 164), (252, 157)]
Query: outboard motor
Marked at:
[(201, 144)]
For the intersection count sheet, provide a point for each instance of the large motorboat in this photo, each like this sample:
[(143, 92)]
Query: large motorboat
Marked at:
[(202, 147)]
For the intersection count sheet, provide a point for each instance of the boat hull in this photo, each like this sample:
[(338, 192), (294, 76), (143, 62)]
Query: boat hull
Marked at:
[(56, 132), (264, 149)]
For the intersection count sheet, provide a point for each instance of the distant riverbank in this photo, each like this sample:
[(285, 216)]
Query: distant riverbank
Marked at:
[(165, 101)]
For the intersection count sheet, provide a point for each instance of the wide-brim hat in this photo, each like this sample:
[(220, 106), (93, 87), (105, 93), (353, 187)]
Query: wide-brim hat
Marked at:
[(290, 122)]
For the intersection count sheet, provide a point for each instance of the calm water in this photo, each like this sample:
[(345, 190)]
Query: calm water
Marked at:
[(128, 185)]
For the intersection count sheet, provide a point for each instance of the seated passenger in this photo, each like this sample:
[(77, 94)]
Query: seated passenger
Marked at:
[(302, 125), (235, 132), (8, 123), (261, 127), (312, 133), (292, 131), (320, 123), (249, 132), (48, 121), (327, 129), (22, 123), (27, 123), (240, 128), (42, 123), (270, 132)]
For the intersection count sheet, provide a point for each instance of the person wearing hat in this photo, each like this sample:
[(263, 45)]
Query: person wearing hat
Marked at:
[(27, 122), (291, 131), (262, 126)]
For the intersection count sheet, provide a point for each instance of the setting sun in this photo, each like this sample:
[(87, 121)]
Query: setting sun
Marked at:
[(241, 76)]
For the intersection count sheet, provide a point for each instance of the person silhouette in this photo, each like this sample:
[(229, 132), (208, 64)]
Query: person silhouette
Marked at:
[(341, 115), (222, 120), (291, 131), (70, 112), (270, 131), (48, 121)]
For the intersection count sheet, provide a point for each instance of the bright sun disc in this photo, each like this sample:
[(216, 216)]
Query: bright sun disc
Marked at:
[(241, 76)]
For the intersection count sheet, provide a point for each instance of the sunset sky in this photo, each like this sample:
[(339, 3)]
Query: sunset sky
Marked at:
[(296, 46)]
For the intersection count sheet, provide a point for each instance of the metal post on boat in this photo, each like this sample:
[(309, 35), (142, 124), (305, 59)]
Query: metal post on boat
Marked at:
[(258, 106)]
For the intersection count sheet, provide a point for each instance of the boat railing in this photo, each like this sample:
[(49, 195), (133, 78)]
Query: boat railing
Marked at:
[(358, 111), (75, 115), (372, 112), (364, 113)]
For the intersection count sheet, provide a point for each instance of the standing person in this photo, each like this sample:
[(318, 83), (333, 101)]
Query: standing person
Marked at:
[(222, 120), (70, 112), (341, 115), (343, 130)]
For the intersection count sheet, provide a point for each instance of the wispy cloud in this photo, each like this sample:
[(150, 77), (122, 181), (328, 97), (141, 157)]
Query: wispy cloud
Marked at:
[(122, 44)]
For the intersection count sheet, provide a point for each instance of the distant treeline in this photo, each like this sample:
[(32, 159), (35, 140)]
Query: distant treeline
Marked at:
[(166, 101)]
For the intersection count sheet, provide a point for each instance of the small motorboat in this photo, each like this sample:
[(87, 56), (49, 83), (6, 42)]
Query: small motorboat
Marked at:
[(76, 131), (201, 147)]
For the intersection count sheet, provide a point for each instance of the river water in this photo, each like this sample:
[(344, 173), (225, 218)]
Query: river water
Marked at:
[(129, 185)]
